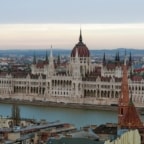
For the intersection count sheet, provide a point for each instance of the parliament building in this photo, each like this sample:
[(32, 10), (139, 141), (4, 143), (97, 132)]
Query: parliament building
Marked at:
[(77, 81)]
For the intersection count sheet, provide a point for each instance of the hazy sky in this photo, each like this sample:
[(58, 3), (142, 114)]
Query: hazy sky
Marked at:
[(40, 23)]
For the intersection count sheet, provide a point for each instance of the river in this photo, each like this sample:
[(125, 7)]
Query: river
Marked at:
[(78, 117)]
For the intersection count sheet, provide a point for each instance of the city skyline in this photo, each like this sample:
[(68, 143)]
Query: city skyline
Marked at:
[(38, 24)]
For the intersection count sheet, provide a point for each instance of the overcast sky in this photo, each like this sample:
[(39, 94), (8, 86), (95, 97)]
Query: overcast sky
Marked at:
[(40, 23)]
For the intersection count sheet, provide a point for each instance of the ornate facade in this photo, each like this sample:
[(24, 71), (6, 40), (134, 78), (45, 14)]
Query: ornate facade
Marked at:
[(76, 81)]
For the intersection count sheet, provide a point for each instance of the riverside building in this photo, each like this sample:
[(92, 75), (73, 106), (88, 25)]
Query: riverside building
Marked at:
[(77, 81)]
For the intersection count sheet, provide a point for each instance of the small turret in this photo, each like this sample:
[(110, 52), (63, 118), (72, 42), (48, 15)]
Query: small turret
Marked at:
[(130, 59), (51, 64), (34, 59), (117, 58), (58, 60), (46, 58), (104, 59)]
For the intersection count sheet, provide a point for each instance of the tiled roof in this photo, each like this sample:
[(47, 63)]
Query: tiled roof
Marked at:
[(19, 74), (36, 76), (139, 70), (137, 78), (82, 50), (3, 74), (131, 118)]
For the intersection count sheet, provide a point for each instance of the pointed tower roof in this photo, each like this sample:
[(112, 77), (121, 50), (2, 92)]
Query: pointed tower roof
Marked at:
[(128, 116), (124, 97), (80, 37), (131, 118), (118, 57), (83, 51), (104, 59), (46, 58), (130, 59), (51, 53), (58, 60), (34, 59)]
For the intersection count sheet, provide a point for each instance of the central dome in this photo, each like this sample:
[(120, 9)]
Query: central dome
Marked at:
[(81, 49)]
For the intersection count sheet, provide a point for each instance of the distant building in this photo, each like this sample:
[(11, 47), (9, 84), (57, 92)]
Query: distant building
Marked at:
[(76, 81)]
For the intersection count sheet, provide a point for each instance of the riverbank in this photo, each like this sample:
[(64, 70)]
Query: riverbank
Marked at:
[(65, 105)]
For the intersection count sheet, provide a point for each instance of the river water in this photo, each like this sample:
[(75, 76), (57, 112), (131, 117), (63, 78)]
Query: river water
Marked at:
[(78, 117)]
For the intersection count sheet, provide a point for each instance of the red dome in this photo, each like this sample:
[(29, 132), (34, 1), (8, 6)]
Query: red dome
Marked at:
[(81, 49)]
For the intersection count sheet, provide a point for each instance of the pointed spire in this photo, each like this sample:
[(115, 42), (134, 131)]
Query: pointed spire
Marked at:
[(34, 59), (125, 52), (130, 60), (104, 59), (128, 116), (51, 54), (80, 37), (58, 60), (124, 97), (46, 57), (118, 57)]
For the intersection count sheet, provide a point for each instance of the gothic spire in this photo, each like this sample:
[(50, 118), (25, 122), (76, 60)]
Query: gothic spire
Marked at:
[(118, 57), (104, 59), (58, 60), (124, 97), (80, 37), (130, 59), (46, 57), (51, 54), (34, 59)]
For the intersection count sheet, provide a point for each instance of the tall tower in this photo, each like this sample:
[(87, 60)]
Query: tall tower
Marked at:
[(34, 59), (117, 58), (83, 55), (128, 117), (124, 97), (104, 60), (51, 64), (76, 67), (33, 66), (46, 58)]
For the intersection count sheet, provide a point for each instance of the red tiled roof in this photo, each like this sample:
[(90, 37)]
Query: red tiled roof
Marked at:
[(82, 50), (139, 70), (131, 118), (3, 74), (137, 78)]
